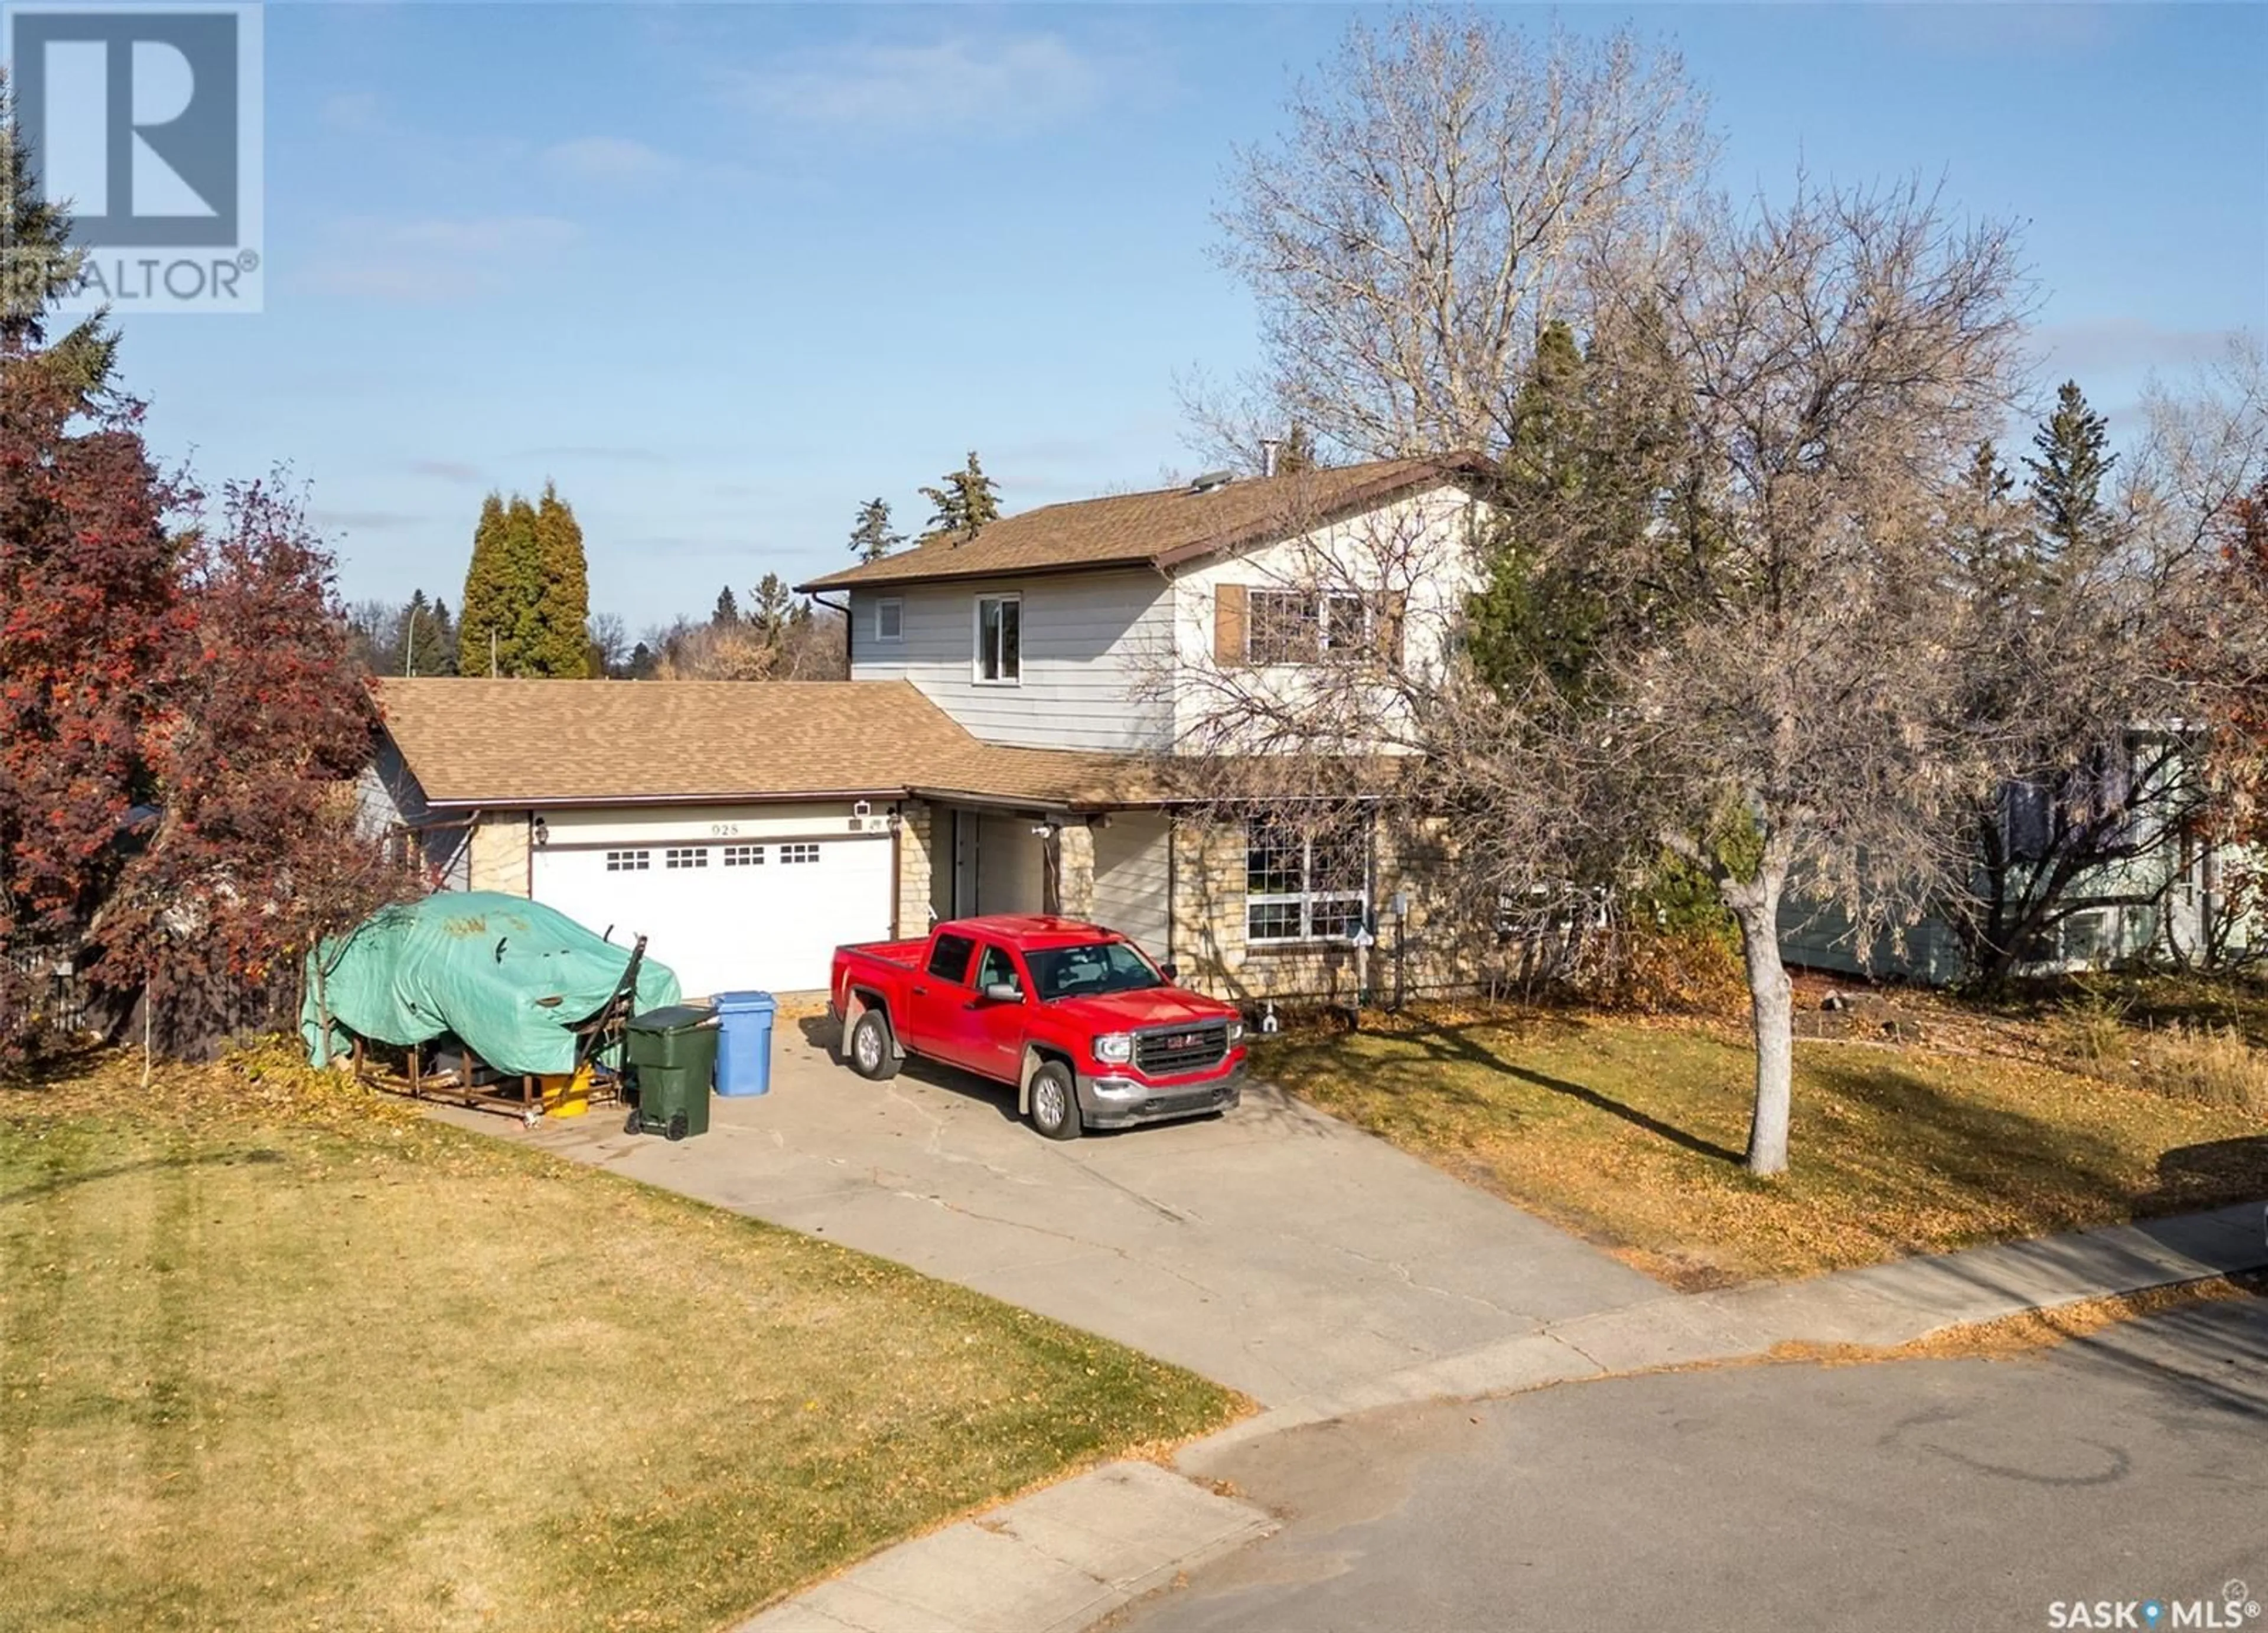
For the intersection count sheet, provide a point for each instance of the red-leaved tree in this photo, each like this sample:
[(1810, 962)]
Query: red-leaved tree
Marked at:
[(256, 853)]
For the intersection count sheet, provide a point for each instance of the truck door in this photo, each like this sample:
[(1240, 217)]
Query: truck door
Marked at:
[(996, 1026), (941, 998)]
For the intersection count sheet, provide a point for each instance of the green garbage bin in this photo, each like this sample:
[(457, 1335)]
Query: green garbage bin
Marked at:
[(672, 1058)]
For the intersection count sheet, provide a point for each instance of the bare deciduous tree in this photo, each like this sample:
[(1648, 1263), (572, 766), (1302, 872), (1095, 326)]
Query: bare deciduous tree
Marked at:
[(1774, 646), (1447, 187)]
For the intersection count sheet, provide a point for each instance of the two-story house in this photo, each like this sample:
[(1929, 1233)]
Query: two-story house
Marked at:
[(1025, 709)]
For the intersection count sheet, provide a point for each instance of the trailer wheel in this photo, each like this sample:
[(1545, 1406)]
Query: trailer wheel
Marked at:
[(873, 1056)]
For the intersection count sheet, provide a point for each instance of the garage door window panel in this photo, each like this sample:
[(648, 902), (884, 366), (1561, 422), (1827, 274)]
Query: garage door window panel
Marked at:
[(689, 857), (629, 861), (743, 855)]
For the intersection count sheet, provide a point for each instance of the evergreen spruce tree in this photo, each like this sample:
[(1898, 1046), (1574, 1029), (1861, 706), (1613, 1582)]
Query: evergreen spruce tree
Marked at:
[(2070, 513), (769, 604), (872, 537), (967, 501), (727, 611), (560, 647), (442, 655), (38, 267), (489, 628)]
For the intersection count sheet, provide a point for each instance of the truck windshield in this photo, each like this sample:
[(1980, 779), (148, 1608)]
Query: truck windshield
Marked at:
[(1095, 967)]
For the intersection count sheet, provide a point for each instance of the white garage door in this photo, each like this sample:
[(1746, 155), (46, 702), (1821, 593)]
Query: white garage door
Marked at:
[(731, 914)]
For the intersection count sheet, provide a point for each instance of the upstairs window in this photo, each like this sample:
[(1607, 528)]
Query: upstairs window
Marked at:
[(1306, 881), (999, 639), (1307, 625), (890, 619)]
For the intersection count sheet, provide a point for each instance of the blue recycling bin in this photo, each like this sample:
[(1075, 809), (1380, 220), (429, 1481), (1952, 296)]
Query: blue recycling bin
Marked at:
[(744, 1055)]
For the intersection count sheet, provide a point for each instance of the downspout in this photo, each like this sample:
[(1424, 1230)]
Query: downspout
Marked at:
[(849, 631)]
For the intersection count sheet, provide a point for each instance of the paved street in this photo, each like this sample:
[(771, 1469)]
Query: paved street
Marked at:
[(1913, 1494)]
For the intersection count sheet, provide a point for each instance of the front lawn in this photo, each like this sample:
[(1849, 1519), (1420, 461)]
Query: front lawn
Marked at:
[(272, 1356), (1631, 1134)]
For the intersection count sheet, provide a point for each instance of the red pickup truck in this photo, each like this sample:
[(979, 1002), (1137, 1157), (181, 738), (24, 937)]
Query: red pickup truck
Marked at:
[(1093, 1034)]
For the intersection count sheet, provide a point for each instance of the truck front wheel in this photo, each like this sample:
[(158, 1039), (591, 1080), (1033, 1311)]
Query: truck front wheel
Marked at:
[(1055, 1101), (871, 1055)]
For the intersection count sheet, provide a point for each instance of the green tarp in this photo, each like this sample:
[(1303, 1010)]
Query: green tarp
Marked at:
[(483, 966)]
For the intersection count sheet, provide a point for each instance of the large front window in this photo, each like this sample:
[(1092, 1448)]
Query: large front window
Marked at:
[(999, 639), (1304, 881)]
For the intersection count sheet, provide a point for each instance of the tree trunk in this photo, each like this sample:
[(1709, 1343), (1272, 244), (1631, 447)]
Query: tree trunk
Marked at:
[(1771, 1002)]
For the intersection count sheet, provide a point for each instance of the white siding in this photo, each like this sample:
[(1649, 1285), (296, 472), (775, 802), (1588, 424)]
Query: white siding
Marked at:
[(1420, 547), (1093, 651), (1132, 874)]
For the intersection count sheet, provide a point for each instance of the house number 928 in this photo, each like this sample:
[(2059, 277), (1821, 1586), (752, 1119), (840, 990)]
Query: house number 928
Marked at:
[(724, 830)]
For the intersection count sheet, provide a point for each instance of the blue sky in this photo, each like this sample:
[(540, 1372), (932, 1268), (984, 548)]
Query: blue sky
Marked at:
[(726, 272)]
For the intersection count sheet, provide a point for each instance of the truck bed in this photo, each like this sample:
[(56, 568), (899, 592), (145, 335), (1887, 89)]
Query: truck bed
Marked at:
[(904, 955)]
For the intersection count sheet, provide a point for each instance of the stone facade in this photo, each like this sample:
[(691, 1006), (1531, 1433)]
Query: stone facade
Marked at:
[(1433, 947), (499, 853), (1074, 853), (915, 873)]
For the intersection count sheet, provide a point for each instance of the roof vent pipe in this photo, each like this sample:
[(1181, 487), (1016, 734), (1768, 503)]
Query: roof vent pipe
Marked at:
[(1269, 447)]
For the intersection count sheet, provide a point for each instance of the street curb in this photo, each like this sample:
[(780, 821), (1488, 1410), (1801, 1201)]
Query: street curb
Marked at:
[(1057, 1561)]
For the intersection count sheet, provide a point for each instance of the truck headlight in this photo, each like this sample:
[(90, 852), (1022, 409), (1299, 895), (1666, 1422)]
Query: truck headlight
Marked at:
[(1114, 1049), (1235, 1033)]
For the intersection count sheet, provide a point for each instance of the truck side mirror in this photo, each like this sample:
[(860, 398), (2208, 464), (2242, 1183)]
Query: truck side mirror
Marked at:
[(1005, 992), (1171, 971)]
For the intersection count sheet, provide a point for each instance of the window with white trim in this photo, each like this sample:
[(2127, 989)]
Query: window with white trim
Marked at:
[(793, 854), (1304, 881), (1305, 626), (890, 619), (629, 861), (695, 856), (1000, 639), (743, 855)]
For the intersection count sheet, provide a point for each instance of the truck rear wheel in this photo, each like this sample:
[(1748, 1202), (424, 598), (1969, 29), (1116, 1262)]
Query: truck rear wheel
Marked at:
[(1055, 1101), (873, 1056)]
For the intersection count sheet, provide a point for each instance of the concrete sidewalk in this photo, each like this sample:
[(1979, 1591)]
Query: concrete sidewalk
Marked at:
[(1065, 1557), (1878, 1306)]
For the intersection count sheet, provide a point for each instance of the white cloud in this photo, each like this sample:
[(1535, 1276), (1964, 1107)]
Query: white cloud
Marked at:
[(436, 258), (609, 160), (1018, 82), (2106, 344)]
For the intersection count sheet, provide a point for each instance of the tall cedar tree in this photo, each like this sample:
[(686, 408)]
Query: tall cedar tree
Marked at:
[(487, 628), (968, 502), (563, 608), (872, 537)]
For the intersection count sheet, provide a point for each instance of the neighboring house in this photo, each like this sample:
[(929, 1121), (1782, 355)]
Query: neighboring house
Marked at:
[(1006, 743)]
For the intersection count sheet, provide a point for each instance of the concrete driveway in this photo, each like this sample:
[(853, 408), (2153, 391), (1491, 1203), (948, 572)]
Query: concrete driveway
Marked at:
[(1275, 1249)]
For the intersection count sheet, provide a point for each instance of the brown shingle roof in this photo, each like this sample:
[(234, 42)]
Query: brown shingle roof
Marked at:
[(1156, 529), (508, 742), (472, 742)]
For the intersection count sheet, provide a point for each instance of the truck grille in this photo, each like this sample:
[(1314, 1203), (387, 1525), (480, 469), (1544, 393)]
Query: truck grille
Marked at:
[(1170, 1051)]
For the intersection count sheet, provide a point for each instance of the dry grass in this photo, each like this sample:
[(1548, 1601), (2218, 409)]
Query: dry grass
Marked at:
[(1630, 1133), (275, 1354)]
